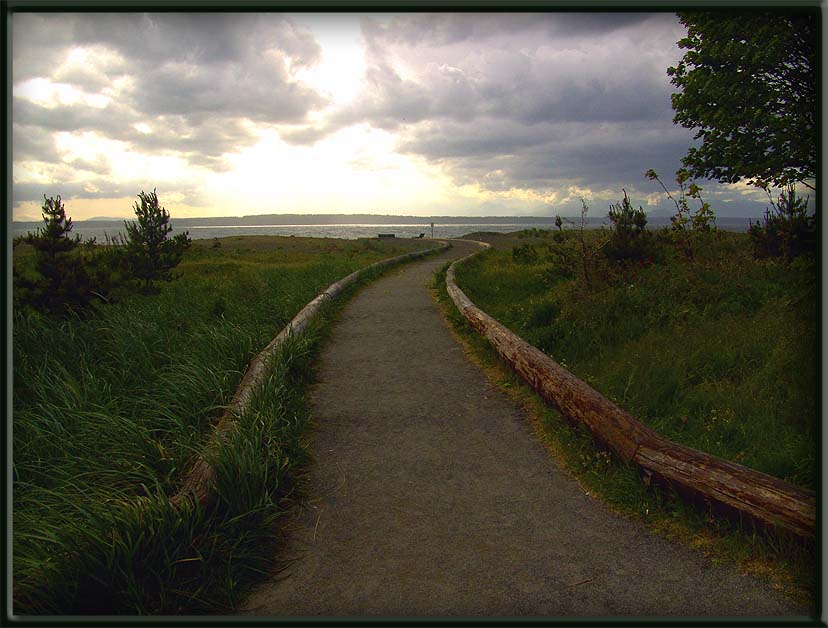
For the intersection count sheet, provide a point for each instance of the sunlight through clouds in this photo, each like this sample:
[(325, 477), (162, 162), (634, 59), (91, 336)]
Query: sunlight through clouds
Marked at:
[(477, 114), (351, 169), (52, 95), (340, 70)]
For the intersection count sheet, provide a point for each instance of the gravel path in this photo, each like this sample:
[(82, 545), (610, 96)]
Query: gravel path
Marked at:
[(434, 498)]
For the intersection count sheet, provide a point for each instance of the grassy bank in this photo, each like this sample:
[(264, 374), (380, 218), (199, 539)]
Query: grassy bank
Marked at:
[(719, 352), (596, 334), (110, 410)]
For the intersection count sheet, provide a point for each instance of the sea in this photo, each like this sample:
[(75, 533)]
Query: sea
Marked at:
[(450, 227)]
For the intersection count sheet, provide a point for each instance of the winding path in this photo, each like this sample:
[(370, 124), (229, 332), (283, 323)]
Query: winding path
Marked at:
[(434, 498)]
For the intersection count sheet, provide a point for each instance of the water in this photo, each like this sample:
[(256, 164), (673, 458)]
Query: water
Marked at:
[(101, 229)]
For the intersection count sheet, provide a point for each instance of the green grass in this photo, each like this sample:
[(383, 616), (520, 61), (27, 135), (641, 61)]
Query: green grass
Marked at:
[(719, 353), (787, 563), (109, 412)]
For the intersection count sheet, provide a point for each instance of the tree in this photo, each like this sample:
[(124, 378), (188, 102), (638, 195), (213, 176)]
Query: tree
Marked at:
[(64, 280), (630, 237), (748, 85), (150, 254), (788, 230)]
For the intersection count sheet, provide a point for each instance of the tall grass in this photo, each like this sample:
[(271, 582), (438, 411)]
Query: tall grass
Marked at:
[(719, 353), (787, 562), (110, 411)]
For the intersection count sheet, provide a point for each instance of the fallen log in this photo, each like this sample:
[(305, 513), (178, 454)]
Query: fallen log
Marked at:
[(732, 488), (737, 490)]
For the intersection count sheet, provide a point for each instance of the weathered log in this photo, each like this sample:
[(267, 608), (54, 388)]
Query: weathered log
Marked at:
[(737, 490), (733, 488), (199, 482)]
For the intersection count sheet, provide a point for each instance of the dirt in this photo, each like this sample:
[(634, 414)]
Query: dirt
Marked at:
[(431, 496)]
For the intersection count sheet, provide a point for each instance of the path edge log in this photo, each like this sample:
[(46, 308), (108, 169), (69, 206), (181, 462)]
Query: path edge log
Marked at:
[(199, 482), (733, 489)]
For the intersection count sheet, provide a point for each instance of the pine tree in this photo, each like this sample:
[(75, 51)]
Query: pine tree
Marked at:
[(150, 254), (64, 282)]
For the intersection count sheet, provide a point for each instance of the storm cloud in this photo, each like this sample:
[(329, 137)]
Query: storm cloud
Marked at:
[(197, 85), (515, 105), (526, 101)]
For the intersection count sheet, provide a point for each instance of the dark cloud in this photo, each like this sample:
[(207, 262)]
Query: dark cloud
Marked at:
[(306, 135), (32, 143), (209, 138), (442, 29), (151, 40), (528, 101), (34, 191), (527, 75), (475, 138), (534, 101), (502, 155), (74, 192), (192, 78), (113, 121)]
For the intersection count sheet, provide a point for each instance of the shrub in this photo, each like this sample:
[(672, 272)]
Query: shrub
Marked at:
[(533, 232), (703, 220), (150, 255), (67, 277), (525, 254), (787, 229), (563, 259), (629, 239)]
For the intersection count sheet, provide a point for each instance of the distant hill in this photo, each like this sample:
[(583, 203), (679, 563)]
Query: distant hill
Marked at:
[(371, 219)]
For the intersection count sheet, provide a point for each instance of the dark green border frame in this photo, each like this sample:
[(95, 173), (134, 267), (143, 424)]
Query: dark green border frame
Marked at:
[(9, 7)]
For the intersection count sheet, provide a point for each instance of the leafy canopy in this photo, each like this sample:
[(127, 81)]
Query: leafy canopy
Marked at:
[(748, 85)]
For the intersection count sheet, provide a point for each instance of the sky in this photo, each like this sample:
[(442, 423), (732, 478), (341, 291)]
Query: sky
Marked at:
[(465, 114)]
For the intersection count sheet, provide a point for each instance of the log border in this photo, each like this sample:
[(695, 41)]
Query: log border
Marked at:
[(735, 489), (200, 479)]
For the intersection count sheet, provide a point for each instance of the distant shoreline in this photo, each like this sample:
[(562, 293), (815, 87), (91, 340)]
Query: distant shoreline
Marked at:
[(401, 226), (337, 219), (343, 220)]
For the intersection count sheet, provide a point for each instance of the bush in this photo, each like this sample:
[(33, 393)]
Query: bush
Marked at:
[(787, 229), (702, 221), (525, 254), (563, 258), (150, 255), (630, 239), (67, 277), (533, 232)]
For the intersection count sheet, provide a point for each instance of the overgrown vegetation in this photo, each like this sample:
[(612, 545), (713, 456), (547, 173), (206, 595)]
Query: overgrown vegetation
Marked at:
[(66, 275), (69, 277), (630, 238), (687, 225), (718, 352), (788, 563), (787, 229), (110, 409)]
